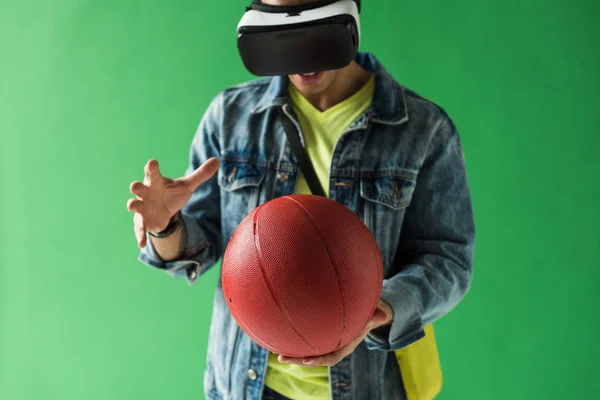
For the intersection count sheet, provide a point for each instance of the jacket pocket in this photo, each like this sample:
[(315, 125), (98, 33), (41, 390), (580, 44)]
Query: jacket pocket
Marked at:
[(392, 189), (240, 183), (385, 197), (234, 175)]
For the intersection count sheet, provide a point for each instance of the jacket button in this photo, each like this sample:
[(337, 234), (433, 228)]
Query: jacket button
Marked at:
[(192, 274), (282, 176), (231, 177), (252, 374)]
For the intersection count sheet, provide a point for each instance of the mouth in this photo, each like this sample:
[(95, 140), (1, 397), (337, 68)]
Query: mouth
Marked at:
[(308, 78)]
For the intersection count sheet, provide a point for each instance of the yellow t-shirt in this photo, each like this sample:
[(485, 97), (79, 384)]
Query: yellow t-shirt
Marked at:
[(321, 130)]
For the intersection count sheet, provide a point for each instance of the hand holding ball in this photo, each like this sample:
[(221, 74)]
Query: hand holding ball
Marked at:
[(302, 275)]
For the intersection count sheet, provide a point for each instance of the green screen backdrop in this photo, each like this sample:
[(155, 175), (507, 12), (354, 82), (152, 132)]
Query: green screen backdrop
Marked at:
[(90, 91)]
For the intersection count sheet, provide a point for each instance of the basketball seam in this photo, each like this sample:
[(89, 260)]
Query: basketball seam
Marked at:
[(240, 321), (270, 288), (256, 338), (335, 269)]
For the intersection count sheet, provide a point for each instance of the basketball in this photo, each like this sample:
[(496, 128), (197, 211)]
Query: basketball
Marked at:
[(302, 275)]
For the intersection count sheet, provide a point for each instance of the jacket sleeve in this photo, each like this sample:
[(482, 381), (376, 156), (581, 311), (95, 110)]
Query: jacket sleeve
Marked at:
[(434, 258), (202, 214)]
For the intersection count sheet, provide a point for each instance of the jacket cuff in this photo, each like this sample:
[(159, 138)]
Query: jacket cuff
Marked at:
[(191, 264), (406, 327)]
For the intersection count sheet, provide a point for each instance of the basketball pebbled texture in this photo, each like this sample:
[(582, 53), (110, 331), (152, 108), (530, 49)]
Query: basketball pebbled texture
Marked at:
[(302, 275)]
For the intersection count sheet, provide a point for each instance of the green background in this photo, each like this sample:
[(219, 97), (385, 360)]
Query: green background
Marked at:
[(90, 91)]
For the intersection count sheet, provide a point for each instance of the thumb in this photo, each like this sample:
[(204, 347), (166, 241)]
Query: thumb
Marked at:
[(202, 173), (379, 318)]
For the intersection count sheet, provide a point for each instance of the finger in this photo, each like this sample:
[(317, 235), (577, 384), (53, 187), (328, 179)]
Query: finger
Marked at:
[(387, 309), (379, 318), (151, 170), (135, 205), (290, 360), (139, 189), (202, 173), (337, 355), (140, 231), (142, 242), (325, 360)]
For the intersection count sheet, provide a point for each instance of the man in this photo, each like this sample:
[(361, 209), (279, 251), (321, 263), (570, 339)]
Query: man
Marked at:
[(386, 153)]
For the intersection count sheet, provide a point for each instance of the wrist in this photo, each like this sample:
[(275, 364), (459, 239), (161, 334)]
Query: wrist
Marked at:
[(172, 226)]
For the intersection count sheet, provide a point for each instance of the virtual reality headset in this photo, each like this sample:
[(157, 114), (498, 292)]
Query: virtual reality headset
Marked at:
[(285, 40)]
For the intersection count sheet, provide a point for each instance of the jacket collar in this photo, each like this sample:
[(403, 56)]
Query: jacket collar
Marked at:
[(388, 105)]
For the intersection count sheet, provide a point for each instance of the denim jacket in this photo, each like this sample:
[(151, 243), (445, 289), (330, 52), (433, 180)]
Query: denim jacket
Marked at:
[(399, 167)]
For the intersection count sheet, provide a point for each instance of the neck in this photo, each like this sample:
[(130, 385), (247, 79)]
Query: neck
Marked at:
[(347, 81)]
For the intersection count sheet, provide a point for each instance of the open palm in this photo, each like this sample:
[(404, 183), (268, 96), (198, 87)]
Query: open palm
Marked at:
[(159, 198)]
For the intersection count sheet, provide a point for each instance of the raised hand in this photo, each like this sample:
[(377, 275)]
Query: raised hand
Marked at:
[(158, 198)]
